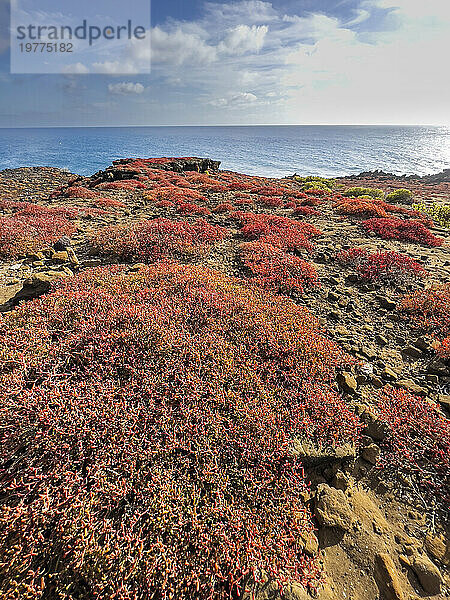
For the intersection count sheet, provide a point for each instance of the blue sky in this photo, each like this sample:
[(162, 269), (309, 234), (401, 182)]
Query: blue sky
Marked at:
[(254, 62)]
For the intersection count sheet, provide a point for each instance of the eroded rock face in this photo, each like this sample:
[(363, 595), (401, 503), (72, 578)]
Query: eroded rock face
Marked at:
[(113, 173), (332, 508)]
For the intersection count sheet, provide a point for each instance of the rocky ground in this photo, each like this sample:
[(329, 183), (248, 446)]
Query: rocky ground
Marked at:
[(377, 539)]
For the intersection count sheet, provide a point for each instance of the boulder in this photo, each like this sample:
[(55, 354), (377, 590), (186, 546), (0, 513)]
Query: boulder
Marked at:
[(332, 508), (371, 453), (62, 244), (347, 382), (427, 574)]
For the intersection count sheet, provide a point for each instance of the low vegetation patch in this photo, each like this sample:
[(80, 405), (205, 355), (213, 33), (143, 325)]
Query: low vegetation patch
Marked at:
[(157, 239), (417, 446), (282, 232), (363, 191), (386, 267), (393, 228), (272, 268), (22, 234), (401, 195), (145, 430), (436, 211), (429, 310)]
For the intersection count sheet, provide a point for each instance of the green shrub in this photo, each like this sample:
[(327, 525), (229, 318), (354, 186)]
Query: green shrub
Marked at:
[(438, 212), (363, 191), (316, 182), (400, 195)]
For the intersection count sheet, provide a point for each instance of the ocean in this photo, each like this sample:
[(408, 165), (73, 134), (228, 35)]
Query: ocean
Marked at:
[(257, 150)]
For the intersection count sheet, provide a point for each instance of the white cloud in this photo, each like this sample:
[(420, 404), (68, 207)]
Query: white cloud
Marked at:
[(178, 47), (125, 89), (237, 100), (397, 77), (253, 61), (416, 9), (243, 39), (76, 69), (249, 12)]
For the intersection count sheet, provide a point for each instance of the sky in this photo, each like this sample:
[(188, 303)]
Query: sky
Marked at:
[(248, 62)]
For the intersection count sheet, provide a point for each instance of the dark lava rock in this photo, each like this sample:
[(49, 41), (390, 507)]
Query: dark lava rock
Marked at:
[(62, 244)]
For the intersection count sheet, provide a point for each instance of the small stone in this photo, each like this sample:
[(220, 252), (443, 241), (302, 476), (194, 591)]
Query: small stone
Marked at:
[(72, 257), (136, 267), (341, 481), (347, 382), (62, 244), (333, 297), (335, 314), (371, 453), (412, 352), (375, 428), (386, 302), (60, 257), (444, 399), (341, 330), (423, 344), (368, 352), (437, 367), (389, 374), (92, 262), (37, 285), (310, 543), (38, 256), (427, 573), (376, 382), (381, 340), (387, 578), (404, 560), (332, 508)]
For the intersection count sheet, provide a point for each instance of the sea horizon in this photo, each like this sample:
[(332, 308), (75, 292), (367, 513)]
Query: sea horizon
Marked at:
[(270, 150)]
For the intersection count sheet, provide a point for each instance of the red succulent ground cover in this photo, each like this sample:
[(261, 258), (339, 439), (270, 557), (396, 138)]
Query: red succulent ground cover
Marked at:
[(444, 349), (157, 239), (385, 267), (373, 207), (429, 310), (190, 208), (123, 184), (21, 234), (305, 211), (272, 268), (417, 446), (145, 428), (282, 232), (223, 207), (109, 203), (393, 228), (271, 201)]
